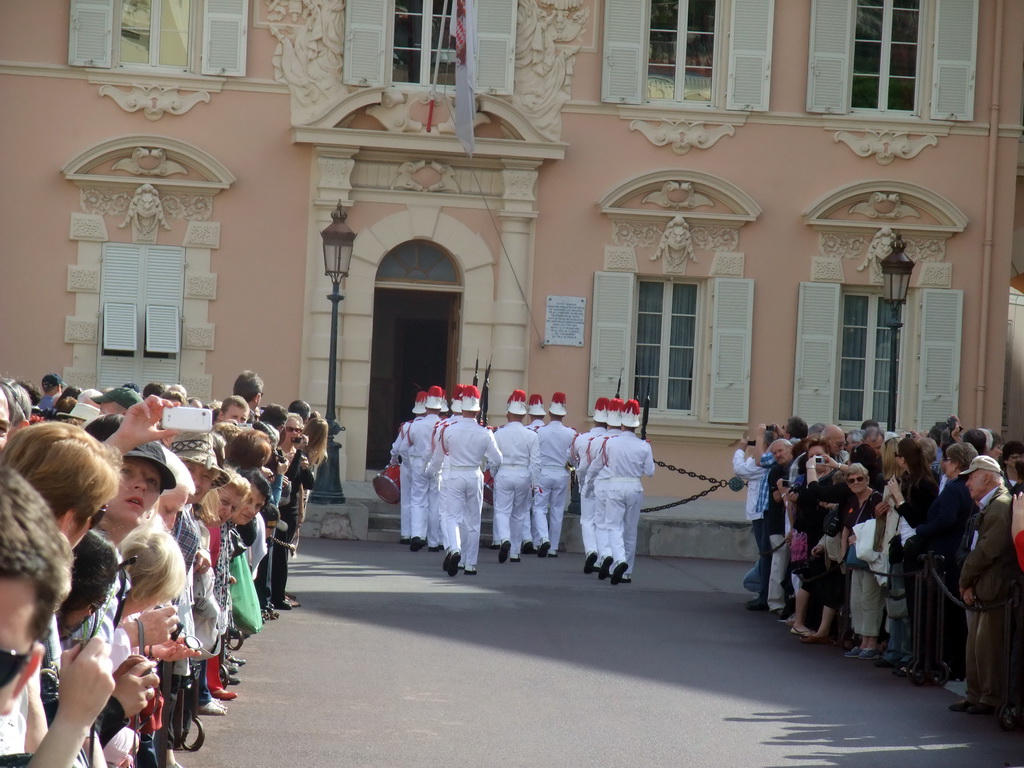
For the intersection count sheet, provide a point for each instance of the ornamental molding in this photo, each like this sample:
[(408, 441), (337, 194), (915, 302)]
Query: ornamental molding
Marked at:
[(145, 214), (825, 269), (117, 202), (105, 163), (936, 275), (886, 146), (858, 208), (683, 135), (382, 173), (198, 386), (202, 234), (728, 265), (150, 161), (336, 173), (433, 177), (620, 258), (83, 378), (675, 248), (87, 226), (676, 190), (836, 247), (155, 100), (677, 195), (80, 330), (83, 279), (885, 205), (198, 336), (519, 184), (201, 285)]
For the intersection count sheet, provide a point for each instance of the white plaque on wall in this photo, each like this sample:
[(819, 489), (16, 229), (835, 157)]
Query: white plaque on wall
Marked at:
[(564, 320)]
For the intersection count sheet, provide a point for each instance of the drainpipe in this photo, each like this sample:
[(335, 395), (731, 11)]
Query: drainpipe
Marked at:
[(990, 215)]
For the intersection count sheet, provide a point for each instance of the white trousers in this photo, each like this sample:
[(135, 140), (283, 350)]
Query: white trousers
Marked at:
[(434, 535), (630, 523), (621, 500), (464, 490), (419, 511), (511, 506), (406, 503), (588, 510), (549, 505)]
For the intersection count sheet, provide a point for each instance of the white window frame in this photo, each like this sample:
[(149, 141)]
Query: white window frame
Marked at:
[(886, 61), (155, 36), (867, 391), (426, 45), (664, 345), (679, 76)]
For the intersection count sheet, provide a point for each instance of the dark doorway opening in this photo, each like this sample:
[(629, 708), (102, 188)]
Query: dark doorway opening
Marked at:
[(415, 338)]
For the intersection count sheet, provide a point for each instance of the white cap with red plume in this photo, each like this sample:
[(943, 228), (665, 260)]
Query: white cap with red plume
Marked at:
[(537, 406), (517, 403), (457, 399), (558, 404), (435, 398), (615, 412), (421, 403), (470, 398), (631, 414), (601, 410)]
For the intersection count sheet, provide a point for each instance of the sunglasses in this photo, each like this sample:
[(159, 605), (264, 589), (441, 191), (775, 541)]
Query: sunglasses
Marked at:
[(856, 479), (11, 664), (292, 429), (96, 519)]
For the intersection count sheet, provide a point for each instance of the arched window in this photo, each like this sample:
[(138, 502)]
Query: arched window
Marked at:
[(417, 261)]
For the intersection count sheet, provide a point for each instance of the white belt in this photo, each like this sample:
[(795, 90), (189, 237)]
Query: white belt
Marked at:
[(555, 466), (512, 466), (457, 467), (619, 480)]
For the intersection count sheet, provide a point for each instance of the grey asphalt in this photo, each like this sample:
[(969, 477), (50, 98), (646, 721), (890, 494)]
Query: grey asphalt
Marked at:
[(392, 663)]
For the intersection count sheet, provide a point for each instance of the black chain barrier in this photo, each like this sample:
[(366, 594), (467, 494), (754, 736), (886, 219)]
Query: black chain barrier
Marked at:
[(735, 484)]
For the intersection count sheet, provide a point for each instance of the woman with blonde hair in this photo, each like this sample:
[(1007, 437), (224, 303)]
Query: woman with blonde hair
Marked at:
[(317, 432)]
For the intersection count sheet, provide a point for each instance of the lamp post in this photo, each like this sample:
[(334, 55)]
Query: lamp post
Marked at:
[(896, 270), (338, 238)]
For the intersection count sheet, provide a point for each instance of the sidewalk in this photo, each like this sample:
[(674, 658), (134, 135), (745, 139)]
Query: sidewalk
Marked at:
[(714, 527)]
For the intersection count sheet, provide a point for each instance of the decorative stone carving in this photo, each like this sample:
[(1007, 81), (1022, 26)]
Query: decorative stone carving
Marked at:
[(519, 184), (191, 207), (716, 238), (202, 234), (146, 161), (827, 269), (839, 246), (88, 226), (923, 249), (446, 182), (545, 61), (393, 112), (886, 146), (79, 330), (83, 378), (677, 195), (104, 202), (635, 235), (154, 100), (620, 258), (115, 202), (336, 172), (198, 386), (676, 246), (146, 213), (682, 134), (728, 265), (936, 275), (885, 205), (201, 285), (879, 247), (198, 337), (83, 279), (308, 59)]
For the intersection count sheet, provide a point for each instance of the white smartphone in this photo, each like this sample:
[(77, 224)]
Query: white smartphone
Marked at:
[(187, 419)]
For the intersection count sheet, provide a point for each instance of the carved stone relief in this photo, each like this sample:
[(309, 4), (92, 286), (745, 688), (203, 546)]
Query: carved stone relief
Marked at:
[(936, 275), (146, 214), (620, 258), (835, 246), (675, 246), (201, 285), (886, 146), (336, 172), (202, 234), (728, 265), (682, 134), (198, 337), (827, 269), (677, 195), (308, 59), (436, 177), (83, 378), (885, 205), (87, 226), (716, 238), (79, 330), (83, 279), (840, 246), (198, 386), (519, 184), (154, 100), (879, 247), (926, 249), (635, 235), (115, 202), (147, 161)]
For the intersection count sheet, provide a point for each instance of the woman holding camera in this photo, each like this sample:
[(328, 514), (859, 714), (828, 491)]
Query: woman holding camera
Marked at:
[(300, 477)]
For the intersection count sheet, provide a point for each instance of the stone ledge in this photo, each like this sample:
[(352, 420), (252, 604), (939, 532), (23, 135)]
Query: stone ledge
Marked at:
[(348, 521)]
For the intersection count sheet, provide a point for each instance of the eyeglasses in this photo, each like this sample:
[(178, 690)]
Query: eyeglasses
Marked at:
[(856, 480), (293, 429), (11, 664), (96, 519)]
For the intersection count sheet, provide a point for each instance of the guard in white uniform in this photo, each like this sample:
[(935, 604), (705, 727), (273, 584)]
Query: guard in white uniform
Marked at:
[(463, 447), (456, 414), (580, 451), (531, 538), (554, 440), (400, 450), (597, 492), (421, 440), (618, 468), (519, 473)]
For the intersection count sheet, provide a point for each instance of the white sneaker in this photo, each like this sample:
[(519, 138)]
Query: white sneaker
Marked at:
[(213, 709)]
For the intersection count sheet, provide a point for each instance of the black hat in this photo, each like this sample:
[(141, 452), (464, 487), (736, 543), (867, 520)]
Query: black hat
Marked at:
[(52, 380), (154, 453)]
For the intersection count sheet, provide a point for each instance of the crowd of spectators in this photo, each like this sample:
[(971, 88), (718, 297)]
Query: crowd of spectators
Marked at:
[(846, 523), (132, 556)]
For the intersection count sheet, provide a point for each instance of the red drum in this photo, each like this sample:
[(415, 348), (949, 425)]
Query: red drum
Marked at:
[(388, 484), (488, 487)]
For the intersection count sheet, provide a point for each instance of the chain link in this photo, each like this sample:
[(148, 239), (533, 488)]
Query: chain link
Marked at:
[(714, 481)]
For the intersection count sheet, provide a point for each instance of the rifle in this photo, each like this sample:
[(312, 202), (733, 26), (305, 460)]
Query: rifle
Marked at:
[(618, 387), (476, 371), (485, 395), (646, 414)]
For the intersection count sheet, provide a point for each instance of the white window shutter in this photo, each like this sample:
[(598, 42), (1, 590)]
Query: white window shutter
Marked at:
[(225, 31), (625, 51), (496, 46), (733, 313), (611, 332), (817, 343), (939, 374), (956, 48), (365, 46), (116, 371), (120, 327), (163, 329), (750, 54), (122, 271), (159, 369), (91, 33), (165, 275), (831, 60)]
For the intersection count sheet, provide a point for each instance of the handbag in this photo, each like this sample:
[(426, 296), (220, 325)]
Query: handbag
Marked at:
[(798, 547), (865, 544), (245, 605), (833, 523)]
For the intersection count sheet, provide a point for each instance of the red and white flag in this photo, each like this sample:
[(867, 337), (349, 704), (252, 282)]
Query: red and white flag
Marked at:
[(463, 30)]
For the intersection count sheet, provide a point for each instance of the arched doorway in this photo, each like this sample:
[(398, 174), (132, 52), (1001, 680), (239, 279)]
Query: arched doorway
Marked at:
[(415, 344)]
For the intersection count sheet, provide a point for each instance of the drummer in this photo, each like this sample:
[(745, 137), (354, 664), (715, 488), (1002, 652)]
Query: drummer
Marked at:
[(400, 451)]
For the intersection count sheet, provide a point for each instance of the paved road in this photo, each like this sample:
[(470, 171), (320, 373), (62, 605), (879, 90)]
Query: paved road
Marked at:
[(392, 663)]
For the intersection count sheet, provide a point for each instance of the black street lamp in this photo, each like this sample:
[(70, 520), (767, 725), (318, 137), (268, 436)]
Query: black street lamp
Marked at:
[(338, 238), (896, 270)]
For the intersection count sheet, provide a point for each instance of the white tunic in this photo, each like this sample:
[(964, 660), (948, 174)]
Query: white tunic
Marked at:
[(554, 440), (520, 451)]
